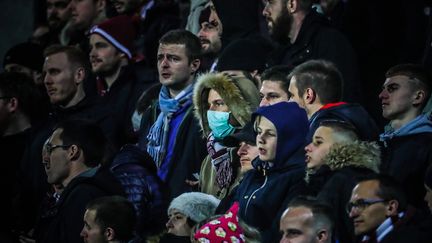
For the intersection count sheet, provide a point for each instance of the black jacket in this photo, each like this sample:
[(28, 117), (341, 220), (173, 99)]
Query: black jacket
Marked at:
[(66, 220), (189, 149), (318, 40), (355, 114)]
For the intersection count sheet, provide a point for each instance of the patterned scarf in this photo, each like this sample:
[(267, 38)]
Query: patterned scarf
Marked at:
[(158, 134), (221, 161)]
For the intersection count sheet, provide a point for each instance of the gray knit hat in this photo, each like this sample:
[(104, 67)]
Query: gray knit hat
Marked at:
[(195, 205)]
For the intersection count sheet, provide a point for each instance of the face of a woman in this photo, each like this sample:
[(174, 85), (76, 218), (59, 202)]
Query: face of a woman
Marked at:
[(266, 139), (177, 224)]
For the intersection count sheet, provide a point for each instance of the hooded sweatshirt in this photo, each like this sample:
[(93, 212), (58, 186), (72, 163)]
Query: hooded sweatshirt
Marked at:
[(407, 153), (267, 188)]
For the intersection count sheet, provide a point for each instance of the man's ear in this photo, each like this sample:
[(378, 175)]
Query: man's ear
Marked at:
[(419, 97), (392, 208), (309, 96), (322, 236), (80, 74), (74, 152), (12, 105), (109, 234), (195, 64)]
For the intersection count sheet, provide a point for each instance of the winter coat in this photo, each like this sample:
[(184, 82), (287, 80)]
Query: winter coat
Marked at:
[(355, 114), (265, 191), (348, 162), (122, 98), (242, 98), (137, 173), (318, 40), (407, 153), (32, 176), (189, 149), (66, 220)]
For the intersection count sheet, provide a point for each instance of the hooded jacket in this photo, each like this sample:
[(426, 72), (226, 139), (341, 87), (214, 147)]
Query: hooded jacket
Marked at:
[(266, 189), (242, 98), (240, 19), (407, 153), (348, 162), (355, 114), (239, 94)]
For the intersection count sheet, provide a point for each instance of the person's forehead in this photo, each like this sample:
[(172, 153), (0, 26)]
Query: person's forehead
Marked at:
[(323, 131), (297, 215), (366, 189), (56, 58), (172, 48), (55, 136), (398, 79), (271, 84)]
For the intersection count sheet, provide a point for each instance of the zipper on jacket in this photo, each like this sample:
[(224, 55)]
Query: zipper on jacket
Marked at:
[(251, 196)]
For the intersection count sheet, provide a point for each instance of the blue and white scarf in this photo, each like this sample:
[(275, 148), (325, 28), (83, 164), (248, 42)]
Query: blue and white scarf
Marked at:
[(158, 134)]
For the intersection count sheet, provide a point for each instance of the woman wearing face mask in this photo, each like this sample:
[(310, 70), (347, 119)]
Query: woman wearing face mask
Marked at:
[(223, 105), (278, 171)]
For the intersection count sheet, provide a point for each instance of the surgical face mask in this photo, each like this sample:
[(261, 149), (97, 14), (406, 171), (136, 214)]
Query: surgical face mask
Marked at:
[(136, 121), (219, 123)]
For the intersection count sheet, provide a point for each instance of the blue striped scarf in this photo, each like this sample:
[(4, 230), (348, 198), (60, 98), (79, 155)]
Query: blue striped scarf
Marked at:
[(158, 134)]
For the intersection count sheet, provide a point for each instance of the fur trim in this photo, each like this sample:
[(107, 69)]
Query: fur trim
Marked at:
[(358, 154), (195, 205), (239, 94)]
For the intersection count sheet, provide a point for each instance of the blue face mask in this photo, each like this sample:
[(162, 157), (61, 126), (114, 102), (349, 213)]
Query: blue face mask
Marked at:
[(219, 123)]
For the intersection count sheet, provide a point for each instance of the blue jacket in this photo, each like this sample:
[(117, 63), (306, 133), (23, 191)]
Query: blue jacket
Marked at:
[(136, 171)]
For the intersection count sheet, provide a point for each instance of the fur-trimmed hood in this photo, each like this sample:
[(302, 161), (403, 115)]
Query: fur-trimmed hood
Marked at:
[(358, 154), (239, 94)]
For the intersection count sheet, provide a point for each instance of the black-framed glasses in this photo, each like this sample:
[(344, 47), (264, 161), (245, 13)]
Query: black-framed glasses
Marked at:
[(362, 204), (50, 147)]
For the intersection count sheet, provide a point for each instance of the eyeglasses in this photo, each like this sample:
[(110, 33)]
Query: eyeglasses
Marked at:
[(50, 147), (362, 204)]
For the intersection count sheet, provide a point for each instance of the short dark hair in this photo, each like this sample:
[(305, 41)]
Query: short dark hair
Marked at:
[(278, 73), (88, 136), (117, 213), (420, 76), (323, 214), (346, 129), (388, 189), (21, 87), (74, 55), (321, 76), (184, 37)]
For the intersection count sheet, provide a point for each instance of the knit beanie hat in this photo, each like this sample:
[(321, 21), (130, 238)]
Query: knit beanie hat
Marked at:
[(223, 229), (27, 54), (195, 205), (244, 54), (120, 31), (428, 177)]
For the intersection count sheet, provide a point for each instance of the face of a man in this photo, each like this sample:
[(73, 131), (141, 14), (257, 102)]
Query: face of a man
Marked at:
[(61, 81), (58, 13), (57, 164), (210, 34), (266, 139), (278, 19), (84, 12), (5, 113), (294, 93), (92, 232), (175, 71), (126, 6), (215, 102), (271, 92), (177, 224), (319, 147), (367, 219), (247, 152), (397, 97), (296, 226), (105, 59)]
